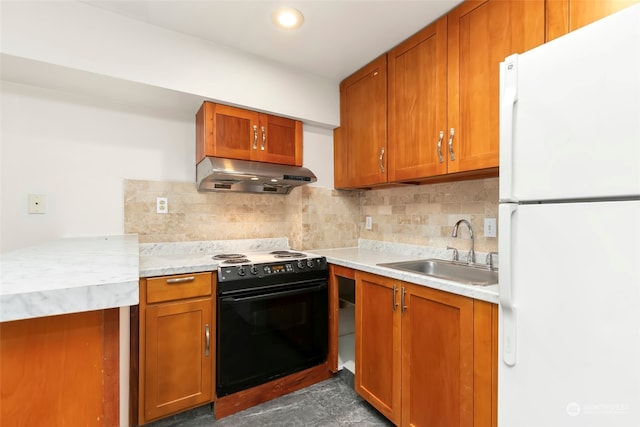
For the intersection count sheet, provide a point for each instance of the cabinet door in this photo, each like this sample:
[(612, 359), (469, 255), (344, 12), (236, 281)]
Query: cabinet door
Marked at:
[(418, 105), (279, 140), (179, 349), (377, 338), (480, 35), (363, 115), (564, 16), (223, 131), (437, 358)]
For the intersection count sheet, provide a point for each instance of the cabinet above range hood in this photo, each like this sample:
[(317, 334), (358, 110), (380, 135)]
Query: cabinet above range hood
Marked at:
[(218, 174)]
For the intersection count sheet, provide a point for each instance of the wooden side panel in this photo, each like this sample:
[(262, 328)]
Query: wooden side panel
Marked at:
[(481, 34), (377, 341), (340, 178), (60, 370), (564, 16), (485, 364), (363, 117), (417, 104), (437, 353)]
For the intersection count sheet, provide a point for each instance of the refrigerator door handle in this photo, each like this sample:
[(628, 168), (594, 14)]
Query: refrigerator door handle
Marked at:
[(509, 92), (506, 213)]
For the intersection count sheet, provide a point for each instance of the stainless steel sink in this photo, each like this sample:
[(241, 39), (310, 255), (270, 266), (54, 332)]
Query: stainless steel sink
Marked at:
[(458, 272)]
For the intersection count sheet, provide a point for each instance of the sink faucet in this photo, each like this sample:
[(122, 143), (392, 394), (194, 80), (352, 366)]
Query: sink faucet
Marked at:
[(471, 258)]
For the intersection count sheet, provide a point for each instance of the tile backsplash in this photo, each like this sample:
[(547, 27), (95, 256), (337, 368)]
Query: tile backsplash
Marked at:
[(313, 217)]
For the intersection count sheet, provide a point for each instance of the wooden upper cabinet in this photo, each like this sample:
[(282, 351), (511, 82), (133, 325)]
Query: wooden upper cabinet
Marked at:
[(363, 119), (480, 35), (417, 84), (564, 16), (236, 133)]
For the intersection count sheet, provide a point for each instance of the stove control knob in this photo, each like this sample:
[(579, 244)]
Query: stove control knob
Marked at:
[(254, 270), (241, 271), (267, 269), (300, 264), (310, 263)]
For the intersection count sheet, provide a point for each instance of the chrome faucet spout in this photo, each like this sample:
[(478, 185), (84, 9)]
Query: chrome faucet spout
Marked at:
[(471, 257)]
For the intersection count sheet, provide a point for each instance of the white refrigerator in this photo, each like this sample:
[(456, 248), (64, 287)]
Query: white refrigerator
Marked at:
[(569, 230)]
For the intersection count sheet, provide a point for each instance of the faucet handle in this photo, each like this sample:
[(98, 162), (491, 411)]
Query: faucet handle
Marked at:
[(455, 253), (489, 259)]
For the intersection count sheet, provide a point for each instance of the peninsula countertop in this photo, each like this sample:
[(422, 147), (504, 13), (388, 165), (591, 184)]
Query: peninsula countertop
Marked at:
[(69, 275)]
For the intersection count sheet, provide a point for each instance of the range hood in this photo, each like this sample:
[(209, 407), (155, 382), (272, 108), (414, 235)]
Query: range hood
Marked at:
[(218, 174)]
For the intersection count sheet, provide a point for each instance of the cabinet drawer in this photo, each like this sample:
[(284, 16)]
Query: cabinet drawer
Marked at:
[(178, 287)]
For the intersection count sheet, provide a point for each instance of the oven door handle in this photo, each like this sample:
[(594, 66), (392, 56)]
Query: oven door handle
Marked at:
[(272, 295)]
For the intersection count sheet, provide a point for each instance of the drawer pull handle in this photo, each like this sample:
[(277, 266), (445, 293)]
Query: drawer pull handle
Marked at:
[(180, 280)]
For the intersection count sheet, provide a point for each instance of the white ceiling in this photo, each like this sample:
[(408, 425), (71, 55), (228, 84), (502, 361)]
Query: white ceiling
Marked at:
[(337, 37)]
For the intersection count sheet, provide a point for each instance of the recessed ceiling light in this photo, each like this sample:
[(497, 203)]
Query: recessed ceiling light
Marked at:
[(288, 18)]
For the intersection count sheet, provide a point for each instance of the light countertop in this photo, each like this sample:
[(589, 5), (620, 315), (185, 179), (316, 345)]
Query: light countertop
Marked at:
[(68, 276), (367, 256), (161, 259)]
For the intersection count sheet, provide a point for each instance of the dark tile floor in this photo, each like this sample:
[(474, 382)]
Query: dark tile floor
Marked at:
[(330, 403)]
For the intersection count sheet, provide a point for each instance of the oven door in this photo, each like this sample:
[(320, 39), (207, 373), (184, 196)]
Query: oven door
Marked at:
[(267, 334)]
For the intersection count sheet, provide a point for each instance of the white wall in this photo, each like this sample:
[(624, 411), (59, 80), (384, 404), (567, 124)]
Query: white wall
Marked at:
[(77, 151), (81, 112), (86, 38)]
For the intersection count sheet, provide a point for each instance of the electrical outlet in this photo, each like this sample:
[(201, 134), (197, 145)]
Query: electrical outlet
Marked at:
[(490, 227), (368, 222), (36, 204), (162, 205)]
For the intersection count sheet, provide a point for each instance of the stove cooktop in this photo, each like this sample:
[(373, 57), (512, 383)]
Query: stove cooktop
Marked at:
[(259, 257), (256, 268)]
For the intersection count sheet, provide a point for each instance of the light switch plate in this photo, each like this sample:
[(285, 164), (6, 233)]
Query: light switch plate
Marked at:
[(368, 222)]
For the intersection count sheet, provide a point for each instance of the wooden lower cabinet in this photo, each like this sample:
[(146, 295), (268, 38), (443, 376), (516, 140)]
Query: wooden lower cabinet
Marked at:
[(176, 345), (425, 357), (61, 370)]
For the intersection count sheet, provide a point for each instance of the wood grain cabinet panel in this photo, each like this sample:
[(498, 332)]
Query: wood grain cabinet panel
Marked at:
[(236, 133), (425, 357), (564, 16), (174, 353), (437, 358), (179, 359), (60, 370), (480, 35), (417, 105), (363, 122), (377, 341)]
